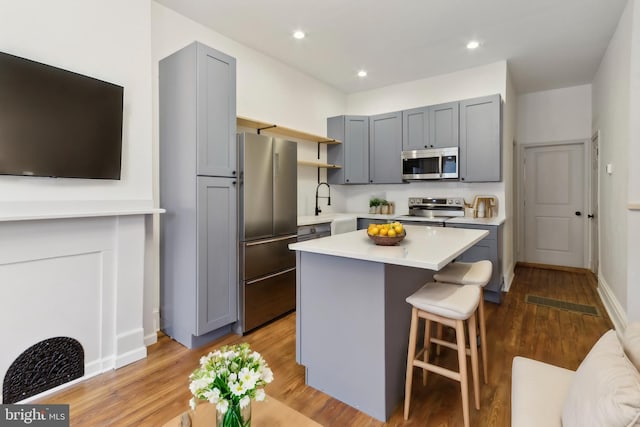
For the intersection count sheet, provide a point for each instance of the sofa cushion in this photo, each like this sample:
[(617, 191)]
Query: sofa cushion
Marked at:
[(631, 343), (605, 390), (538, 391)]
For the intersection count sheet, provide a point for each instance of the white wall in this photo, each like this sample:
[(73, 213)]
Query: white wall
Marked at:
[(554, 115), (633, 217), (611, 115), (105, 39)]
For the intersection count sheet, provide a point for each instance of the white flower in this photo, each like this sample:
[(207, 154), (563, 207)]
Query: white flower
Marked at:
[(192, 403), (248, 377), (213, 396), (244, 402), (267, 375), (237, 388), (222, 406), (260, 395)]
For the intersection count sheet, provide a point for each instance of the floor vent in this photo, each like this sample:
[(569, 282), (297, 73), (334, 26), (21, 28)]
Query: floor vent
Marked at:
[(563, 305), (43, 366)]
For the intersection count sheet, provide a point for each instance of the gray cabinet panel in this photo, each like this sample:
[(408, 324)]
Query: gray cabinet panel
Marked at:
[(415, 129), (480, 139), (353, 153), (217, 258), (216, 112), (385, 145), (443, 120), (198, 234), (489, 248)]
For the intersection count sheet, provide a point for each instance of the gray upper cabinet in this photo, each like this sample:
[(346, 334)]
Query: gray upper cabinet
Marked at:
[(415, 129), (198, 234), (443, 129), (353, 153), (480, 139), (435, 126), (216, 112), (385, 145)]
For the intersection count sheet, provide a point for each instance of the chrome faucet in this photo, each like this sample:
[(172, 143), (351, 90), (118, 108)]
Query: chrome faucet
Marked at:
[(322, 197)]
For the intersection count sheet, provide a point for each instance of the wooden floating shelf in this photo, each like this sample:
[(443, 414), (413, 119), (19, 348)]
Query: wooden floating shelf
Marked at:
[(318, 165), (284, 131), (634, 206)]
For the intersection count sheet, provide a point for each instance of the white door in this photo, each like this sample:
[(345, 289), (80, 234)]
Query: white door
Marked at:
[(554, 183), (593, 215)]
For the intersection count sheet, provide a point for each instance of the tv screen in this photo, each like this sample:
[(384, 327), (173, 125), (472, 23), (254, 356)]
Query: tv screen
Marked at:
[(57, 123)]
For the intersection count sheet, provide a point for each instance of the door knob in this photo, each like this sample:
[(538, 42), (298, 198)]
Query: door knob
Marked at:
[(578, 213)]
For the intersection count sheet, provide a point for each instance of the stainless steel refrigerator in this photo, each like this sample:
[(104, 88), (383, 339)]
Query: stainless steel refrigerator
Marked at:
[(268, 188)]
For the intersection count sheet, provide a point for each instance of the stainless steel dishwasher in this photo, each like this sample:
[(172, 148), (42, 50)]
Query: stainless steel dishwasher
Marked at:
[(314, 231)]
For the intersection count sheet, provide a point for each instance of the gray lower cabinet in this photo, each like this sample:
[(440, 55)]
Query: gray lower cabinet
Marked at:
[(217, 264), (489, 248), (353, 153), (198, 234), (385, 145), (480, 139)]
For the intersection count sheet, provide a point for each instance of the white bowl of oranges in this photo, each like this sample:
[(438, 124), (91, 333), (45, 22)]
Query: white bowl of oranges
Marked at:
[(386, 234)]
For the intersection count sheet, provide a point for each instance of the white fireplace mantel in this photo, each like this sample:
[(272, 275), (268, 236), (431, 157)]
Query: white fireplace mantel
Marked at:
[(73, 270)]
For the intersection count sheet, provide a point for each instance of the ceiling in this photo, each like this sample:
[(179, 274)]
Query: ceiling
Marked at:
[(548, 43)]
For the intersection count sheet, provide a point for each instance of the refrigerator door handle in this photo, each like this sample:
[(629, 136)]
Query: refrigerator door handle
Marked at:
[(279, 273), (276, 239)]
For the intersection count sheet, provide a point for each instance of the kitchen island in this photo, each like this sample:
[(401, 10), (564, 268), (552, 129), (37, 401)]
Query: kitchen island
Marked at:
[(352, 323)]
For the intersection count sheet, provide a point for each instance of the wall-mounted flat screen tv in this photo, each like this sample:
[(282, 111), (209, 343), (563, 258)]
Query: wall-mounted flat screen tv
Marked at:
[(57, 123)]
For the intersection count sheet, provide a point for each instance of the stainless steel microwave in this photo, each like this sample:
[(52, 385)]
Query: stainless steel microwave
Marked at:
[(434, 163)]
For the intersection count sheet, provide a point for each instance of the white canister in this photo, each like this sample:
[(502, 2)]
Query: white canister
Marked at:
[(481, 209)]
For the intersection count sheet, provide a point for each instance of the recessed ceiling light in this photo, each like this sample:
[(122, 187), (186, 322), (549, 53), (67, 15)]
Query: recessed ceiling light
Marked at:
[(298, 34), (473, 44), (362, 73)]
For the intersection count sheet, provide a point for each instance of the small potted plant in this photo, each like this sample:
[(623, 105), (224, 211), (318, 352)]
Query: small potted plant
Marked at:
[(374, 205), (384, 207), (229, 378)]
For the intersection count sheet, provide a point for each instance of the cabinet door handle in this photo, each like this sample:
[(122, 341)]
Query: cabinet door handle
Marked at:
[(590, 216), (578, 213)]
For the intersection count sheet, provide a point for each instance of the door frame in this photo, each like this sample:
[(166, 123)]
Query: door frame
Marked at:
[(594, 204), (520, 194)]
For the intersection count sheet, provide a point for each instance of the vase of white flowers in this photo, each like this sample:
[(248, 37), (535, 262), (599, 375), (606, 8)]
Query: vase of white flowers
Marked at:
[(229, 378)]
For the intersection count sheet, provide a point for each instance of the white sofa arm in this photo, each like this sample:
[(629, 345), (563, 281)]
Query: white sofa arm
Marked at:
[(538, 392)]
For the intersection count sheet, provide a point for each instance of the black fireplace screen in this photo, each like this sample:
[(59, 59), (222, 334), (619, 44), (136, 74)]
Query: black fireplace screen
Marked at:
[(41, 367)]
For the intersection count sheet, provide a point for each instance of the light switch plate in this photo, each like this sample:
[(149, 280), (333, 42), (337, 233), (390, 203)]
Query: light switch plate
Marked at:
[(609, 168)]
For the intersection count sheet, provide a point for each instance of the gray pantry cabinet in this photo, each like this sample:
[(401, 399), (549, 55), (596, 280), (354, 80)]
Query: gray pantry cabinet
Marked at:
[(385, 145), (353, 153), (198, 245), (489, 248), (480, 139), (435, 126)]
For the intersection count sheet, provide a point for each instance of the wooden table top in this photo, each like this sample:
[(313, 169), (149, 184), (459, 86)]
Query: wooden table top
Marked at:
[(269, 413)]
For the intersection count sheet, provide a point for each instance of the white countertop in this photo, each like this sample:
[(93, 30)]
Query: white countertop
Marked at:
[(324, 218), (423, 247), (477, 221)]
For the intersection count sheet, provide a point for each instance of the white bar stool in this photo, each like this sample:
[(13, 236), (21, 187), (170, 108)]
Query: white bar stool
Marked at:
[(450, 305), (473, 274)]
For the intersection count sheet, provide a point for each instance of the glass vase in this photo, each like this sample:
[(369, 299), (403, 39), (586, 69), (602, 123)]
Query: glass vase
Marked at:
[(234, 417)]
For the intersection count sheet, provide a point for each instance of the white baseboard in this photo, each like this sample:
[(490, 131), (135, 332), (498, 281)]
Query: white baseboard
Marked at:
[(614, 309), (150, 339), (130, 357), (508, 277)]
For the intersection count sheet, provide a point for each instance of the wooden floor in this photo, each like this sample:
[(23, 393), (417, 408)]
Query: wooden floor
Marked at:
[(154, 390)]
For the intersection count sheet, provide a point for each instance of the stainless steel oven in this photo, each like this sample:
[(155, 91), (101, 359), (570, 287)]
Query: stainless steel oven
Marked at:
[(434, 163), (433, 211)]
